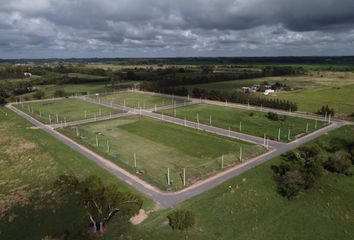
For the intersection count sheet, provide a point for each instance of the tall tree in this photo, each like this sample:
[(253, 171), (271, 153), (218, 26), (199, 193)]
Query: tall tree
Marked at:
[(101, 202)]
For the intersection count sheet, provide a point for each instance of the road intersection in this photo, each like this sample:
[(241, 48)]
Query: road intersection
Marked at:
[(169, 199)]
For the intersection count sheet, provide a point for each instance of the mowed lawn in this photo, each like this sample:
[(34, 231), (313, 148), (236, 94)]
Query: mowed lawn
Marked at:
[(140, 100), (30, 162), (253, 210), (341, 99), (159, 145), (252, 122), (66, 109)]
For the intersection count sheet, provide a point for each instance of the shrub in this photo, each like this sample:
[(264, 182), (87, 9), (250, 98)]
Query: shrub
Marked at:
[(273, 116), (290, 184), (181, 220), (39, 94), (59, 93), (339, 162)]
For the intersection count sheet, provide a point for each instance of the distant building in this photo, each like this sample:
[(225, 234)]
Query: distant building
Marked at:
[(268, 91), (27, 74)]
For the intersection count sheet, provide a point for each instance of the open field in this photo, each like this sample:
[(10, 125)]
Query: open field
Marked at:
[(252, 122), (66, 109), (254, 210), (30, 161), (311, 91), (80, 89), (312, 80), (160, 145), (341, 99), (140, 100)]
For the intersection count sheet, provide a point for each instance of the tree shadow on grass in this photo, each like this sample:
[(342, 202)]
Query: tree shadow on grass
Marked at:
[(37, 220)]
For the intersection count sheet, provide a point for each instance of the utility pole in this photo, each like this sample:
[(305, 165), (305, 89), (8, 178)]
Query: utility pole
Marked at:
[(264, 140), (240, 154), (77, 132), (168, 177), (307, 127), (279, 134), (134, 160), (210, 120), (222, 161), (240, 126), (184, 176), (57, 118), (96, 140), (316, 124), (108, 149), (185, 121), (50, 119), (289, 135)]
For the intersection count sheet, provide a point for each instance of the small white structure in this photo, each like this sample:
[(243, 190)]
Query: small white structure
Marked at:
[(268, 91), (27, 74)]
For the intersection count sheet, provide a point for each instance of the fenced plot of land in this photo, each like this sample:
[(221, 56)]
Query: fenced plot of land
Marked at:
[(140, 100), (285, 129), (66, 110), (148, 147)]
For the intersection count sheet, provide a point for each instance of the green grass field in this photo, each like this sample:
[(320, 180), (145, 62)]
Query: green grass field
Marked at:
[(30, 161), (140, 100), (254, 210), (69, 109), (311, 91), (341, 99), (252, 122), (159, 145)]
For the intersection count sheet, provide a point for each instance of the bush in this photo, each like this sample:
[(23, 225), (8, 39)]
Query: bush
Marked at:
[(273, 116), (59, 93), (39, 94), (339, 162), (290, 184), (181, 220)]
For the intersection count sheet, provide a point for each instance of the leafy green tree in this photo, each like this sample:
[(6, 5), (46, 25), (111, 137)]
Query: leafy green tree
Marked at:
[(306, 161), (291, 183), (101, 202), (326, 110)]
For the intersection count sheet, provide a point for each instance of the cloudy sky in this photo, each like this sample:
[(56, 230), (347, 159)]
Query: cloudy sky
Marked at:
[(175, 28)]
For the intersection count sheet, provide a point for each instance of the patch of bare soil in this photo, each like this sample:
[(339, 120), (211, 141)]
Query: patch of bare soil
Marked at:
[(139, 218)]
